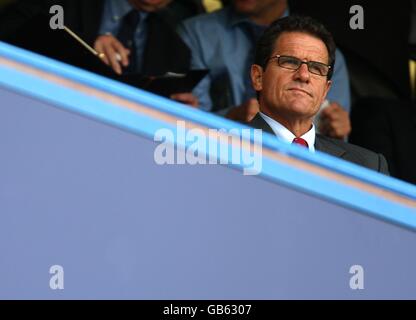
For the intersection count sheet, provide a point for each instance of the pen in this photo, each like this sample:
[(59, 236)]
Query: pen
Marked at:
[(89, 48)]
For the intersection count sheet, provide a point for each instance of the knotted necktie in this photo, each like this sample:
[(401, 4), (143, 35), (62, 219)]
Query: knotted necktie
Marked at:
[(300, 142), (126, 34)]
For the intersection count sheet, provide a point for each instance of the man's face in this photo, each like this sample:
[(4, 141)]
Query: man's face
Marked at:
[(149, 5), (252, 7), (288, 93)]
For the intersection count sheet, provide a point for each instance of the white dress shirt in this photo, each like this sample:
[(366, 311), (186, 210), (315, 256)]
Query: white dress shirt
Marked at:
[(284, 134)]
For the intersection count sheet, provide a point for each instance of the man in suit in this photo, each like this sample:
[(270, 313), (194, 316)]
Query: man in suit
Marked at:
[(158, 47), (224, 43), (26, 23), (292, 72), (138, 36)]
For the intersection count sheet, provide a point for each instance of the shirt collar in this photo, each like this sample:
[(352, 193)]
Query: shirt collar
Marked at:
[(284, 134)]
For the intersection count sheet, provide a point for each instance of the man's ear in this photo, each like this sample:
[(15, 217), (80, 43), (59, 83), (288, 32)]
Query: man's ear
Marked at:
[(328, 86), (257, 77)]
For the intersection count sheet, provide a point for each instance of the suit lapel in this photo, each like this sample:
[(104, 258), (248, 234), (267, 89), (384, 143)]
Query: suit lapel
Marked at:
[(326, 145), (259, 123)]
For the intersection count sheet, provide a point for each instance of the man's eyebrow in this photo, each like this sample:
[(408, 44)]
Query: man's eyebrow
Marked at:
[(303, 59)]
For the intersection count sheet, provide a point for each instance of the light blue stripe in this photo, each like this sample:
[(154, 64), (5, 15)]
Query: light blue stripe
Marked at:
[(133, 121), (78, 102), (344, 195)]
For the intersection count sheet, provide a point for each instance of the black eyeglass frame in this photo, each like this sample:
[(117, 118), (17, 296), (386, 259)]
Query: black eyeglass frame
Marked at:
[(308, 64)]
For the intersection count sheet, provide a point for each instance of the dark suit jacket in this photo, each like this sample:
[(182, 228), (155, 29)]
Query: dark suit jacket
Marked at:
[(26, 24), (337, 148)]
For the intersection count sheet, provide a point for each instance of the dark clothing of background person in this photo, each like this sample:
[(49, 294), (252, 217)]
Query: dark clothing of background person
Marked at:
[(26, 24)]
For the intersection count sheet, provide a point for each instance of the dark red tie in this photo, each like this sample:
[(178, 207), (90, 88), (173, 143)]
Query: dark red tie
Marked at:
[(300, 142)]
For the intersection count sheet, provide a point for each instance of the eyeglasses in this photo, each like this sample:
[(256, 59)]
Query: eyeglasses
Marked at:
[(293, 63)]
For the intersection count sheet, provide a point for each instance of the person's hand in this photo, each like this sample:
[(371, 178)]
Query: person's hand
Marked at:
[(335, 122), (245, 112), (186, 98), (115, 54)]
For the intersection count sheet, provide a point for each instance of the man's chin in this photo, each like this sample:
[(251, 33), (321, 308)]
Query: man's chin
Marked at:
[(302, 110)]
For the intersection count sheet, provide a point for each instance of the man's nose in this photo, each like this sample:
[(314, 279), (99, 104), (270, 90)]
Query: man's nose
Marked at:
[(302, 73)]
